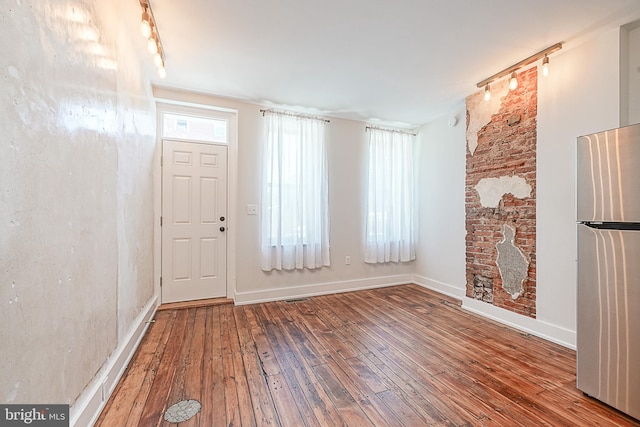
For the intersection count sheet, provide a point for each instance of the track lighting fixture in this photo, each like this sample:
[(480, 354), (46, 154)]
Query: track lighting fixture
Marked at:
[(149, 30), (513, 82)]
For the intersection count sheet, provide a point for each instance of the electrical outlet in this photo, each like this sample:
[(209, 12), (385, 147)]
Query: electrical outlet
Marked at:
[(347, 260)]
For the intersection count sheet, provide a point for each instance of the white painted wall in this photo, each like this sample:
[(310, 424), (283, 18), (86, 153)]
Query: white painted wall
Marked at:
[(633, 74), (440, 163), (76, 214), (580, 96), (346, 146)]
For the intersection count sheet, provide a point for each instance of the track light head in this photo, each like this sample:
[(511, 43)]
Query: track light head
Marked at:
[(513, 83), (487, 93), (545, 66), (145, 24), (152, 46)]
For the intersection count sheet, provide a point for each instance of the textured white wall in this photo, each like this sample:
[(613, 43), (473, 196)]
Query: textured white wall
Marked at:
[(76, 231)]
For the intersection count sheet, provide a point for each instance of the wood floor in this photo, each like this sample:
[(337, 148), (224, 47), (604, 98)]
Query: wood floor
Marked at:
[(397, 356)]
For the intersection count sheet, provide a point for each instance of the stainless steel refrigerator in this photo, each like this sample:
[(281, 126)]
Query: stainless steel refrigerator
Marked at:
[(608, 208)]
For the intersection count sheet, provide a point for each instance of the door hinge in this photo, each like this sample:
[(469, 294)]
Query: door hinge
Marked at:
[(161, 161), (160, 281), (160, 221)]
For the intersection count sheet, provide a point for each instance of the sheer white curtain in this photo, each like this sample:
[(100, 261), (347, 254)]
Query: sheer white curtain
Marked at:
[(390, 234), (295, 213)]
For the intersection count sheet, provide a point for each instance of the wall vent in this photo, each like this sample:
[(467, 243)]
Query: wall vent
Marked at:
[(294, 300)]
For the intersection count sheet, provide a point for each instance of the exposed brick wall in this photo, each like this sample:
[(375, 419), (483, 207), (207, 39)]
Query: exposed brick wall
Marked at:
[(503, 150)]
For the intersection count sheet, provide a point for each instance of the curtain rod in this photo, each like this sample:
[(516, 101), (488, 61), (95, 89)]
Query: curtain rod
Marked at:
[(406, 132), (291, 114)]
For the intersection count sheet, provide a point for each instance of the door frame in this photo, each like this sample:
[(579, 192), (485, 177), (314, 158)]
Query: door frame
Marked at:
[(198, 110)]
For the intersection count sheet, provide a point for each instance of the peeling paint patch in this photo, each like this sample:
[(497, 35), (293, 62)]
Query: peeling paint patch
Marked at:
[(15, 298), (491, 190), (512, 263), (483, 288), (13, 72), (13, 393), (480, 111)]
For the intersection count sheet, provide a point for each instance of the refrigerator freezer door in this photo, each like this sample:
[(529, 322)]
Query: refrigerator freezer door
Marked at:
[(608, 174), (608, 336)]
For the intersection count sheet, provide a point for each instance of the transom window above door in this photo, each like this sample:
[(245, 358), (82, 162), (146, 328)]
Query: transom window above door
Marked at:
[(194, 128)]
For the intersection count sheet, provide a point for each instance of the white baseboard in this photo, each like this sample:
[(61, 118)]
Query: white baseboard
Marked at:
[(553, 333), (86, 409), (304, 291), (438, 286)]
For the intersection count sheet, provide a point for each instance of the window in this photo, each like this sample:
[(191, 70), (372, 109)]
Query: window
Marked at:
[(295, 223), (194, 128), (389, 222)]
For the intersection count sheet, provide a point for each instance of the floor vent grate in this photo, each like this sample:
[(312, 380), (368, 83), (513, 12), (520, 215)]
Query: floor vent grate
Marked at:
[(294, 300), (182, 411)]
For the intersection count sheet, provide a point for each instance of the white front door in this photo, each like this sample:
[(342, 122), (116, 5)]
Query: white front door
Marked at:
[(194, 211)]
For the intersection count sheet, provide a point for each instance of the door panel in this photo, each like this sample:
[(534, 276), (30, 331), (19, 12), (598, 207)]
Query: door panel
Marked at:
[(208, 198), (181, 200), (208, 251), (194, 203)]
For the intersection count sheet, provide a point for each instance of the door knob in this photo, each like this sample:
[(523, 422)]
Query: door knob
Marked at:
[(221, 228), (221, 218)]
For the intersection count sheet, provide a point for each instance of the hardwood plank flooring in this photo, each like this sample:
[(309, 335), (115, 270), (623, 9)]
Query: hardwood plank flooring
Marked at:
[(396, 356)]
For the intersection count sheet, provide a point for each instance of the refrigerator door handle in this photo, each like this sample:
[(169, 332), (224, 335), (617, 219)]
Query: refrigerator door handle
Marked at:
[(600, 225)]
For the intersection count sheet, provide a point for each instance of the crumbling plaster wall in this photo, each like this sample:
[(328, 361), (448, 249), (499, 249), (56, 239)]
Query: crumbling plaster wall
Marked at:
[(501, 195), (76, 215)]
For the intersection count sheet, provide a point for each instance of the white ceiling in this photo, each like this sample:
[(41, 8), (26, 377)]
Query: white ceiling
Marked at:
[(406, 61)]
